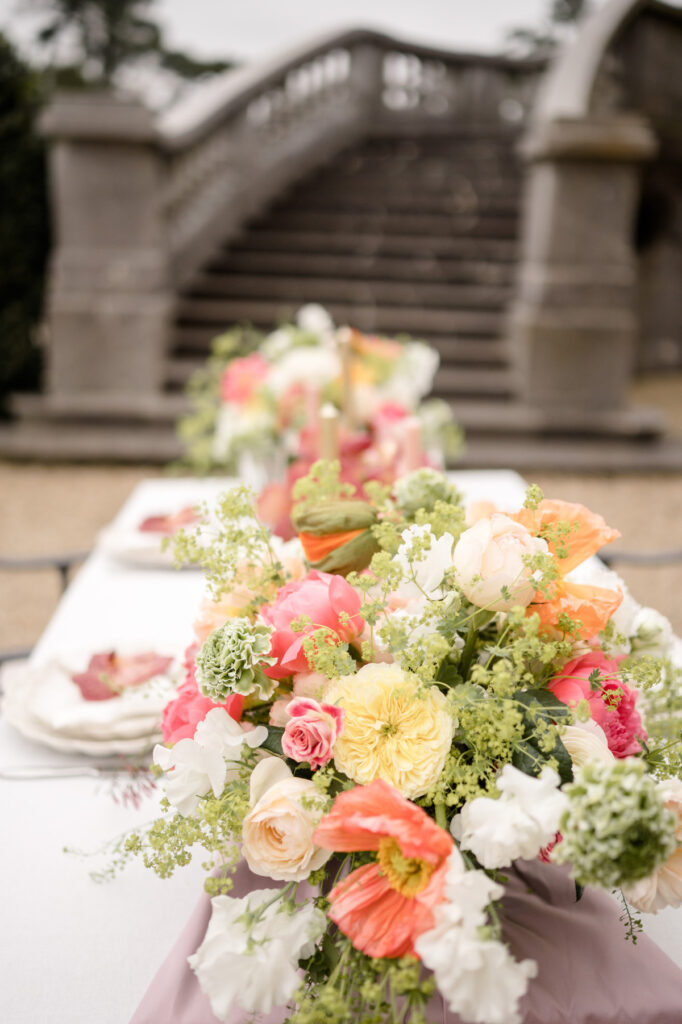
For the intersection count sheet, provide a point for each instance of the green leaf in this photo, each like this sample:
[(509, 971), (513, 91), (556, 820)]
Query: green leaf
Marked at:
[(273, 743)]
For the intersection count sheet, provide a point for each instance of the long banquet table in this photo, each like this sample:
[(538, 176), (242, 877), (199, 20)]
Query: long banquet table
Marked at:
[(73, 951)]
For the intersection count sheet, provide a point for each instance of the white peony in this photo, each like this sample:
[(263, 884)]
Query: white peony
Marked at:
[(195, 767), (519, 823), (478, 977), (489, 563), (277, 833), (586, 741), (250, 953)]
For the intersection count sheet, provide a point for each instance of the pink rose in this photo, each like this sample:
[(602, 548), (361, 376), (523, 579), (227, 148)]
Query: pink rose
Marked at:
[(325, 599), (612, 703), (242, 377), (311, 731), (183, 714)]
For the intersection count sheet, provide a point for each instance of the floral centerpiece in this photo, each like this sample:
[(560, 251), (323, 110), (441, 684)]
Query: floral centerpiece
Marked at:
[(381, 741), (257, 401)]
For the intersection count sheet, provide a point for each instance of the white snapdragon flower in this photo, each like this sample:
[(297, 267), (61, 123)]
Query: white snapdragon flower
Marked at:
[(424, 572), (478, 977), (195, 767), (250, 953), (519, 823)]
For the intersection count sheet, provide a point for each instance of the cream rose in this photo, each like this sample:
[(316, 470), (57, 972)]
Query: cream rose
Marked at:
[(489, 557), (277, 833), (586, 741), (664, 887)]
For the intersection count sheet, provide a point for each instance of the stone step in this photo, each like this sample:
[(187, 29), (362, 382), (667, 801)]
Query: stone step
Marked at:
[(452, 381), (97, 408), (323, 290), (385, 319), (451, 201), (454, 352), (192, 340), (415, 246), (525, 454), (89, 443), (471, 225), (514, 419), (351, 267)]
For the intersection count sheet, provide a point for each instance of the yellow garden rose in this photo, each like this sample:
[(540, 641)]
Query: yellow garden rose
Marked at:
[(394, 729)]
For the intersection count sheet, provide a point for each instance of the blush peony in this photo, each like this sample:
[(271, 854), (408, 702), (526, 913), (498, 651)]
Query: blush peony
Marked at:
[(611, 702), (328, 601)]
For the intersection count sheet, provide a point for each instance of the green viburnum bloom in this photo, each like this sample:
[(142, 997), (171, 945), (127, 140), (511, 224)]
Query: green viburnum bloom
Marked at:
[(421, 489), (230, 658), (616, 829)]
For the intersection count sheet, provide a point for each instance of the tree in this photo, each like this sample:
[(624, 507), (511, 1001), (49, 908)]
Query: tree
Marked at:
[(24, 231), (109, 35)]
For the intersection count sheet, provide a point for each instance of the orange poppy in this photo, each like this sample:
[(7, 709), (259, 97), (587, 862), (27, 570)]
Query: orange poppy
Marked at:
[(591, 606), (384, 906)]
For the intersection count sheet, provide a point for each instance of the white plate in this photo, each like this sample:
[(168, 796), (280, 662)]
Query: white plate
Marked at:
[(44, 704)]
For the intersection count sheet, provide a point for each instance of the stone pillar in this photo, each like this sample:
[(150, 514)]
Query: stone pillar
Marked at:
[(574, 324), (109, 301)]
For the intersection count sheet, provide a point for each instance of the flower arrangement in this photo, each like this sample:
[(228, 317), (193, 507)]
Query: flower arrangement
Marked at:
[(380, 742), (259, 397)]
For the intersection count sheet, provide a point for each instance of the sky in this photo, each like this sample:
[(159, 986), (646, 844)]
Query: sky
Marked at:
[(250, 29)]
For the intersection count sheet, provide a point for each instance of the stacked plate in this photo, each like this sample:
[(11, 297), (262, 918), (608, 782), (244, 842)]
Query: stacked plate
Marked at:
[(45, 704)]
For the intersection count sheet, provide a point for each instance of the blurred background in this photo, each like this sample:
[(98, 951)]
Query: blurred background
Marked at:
[(502, 180)]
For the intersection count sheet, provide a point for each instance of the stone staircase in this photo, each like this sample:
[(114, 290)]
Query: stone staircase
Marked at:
[(393, 236)]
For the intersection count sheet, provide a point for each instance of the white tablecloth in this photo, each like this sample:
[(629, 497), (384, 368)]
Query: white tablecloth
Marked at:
[(76, 952)]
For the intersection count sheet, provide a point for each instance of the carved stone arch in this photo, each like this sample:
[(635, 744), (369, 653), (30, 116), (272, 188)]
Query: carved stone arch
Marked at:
[(579, 323)]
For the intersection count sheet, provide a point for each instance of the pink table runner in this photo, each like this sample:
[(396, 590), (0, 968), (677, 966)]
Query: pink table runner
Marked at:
[(588, 972)]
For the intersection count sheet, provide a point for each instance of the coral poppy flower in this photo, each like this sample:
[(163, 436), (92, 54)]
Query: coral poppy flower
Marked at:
[(384, 906), (591, 606)]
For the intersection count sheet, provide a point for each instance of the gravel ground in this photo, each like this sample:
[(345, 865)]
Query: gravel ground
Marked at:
[(57, 509)]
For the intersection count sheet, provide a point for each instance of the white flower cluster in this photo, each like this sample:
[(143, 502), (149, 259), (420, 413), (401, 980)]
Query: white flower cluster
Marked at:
[(194, 767), (523, 820), (475, 974), (250, 953)]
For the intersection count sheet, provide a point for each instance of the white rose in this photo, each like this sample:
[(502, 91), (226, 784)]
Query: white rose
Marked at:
[(277, 833), (586, 741), (664, 887), (490, 556)]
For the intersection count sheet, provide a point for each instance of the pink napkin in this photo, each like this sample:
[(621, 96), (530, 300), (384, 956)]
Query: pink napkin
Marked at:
[(587, 972)]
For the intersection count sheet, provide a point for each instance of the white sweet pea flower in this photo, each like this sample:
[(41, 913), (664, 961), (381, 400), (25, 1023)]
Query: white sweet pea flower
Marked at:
[(519, 823), (424, 572), (195, 767), (250, 953), (478, 977)]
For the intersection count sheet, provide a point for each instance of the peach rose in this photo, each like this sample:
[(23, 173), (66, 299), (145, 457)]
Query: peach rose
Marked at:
[(310, 684), (277, 833), (489, 558), (311, 731), (214, 614), (664, 887)]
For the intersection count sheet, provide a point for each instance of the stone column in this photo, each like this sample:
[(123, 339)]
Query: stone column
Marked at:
[(109, 301), (574, 324)]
